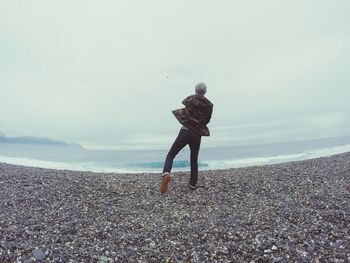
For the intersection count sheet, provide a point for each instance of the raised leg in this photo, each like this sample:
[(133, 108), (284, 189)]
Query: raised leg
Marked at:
[(180, 142)]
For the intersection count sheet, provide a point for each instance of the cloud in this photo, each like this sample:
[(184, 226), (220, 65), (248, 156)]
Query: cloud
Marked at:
[(107, 73), (299, 129)]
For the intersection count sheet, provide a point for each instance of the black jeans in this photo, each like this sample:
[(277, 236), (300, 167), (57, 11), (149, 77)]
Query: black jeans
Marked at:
[(194, 141)]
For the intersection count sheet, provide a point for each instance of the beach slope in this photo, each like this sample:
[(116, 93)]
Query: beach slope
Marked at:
[(297, 211)]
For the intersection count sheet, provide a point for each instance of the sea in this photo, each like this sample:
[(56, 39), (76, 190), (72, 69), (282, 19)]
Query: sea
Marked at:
[(151, 161)]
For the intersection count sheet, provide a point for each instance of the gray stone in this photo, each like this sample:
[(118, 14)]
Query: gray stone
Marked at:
[(338, 243), (104, 259), (11, 245), (10, 255), (279, 259), (29, 188), (311, 247), (38, 254), (4, 244)]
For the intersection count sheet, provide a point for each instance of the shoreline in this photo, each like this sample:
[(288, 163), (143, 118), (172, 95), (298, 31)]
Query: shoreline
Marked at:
[(154, 165), (276, 160), (294, 211)]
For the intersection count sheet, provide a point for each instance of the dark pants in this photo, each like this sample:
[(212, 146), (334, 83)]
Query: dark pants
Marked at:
[(194, 141)]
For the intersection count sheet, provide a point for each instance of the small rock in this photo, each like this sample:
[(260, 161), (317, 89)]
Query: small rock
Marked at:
[(11, 245), (4, 244), (28, 232), (105, 259), (10, 255), (38, 254), (279, 259), (267, 251), (152, 244), (311, 247), (274, 247), (29, 188), (338, 243), (223, 249)]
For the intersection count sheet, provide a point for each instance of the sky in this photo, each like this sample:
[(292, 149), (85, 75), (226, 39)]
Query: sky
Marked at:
[(107, 74)]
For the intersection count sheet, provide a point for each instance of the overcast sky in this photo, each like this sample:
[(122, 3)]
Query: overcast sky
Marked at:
[(109, 73)]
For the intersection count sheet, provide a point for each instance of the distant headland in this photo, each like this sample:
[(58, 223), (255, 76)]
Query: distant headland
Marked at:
[(33, 140)]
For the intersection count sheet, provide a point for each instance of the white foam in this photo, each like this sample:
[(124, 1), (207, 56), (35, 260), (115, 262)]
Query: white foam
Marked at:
[(246, 162), (62, 165)]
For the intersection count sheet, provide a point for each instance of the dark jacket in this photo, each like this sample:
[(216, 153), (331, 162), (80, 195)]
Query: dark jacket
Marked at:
[(196, 114)]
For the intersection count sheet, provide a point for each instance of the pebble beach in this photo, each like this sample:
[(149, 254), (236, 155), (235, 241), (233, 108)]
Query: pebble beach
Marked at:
[(290, 212)]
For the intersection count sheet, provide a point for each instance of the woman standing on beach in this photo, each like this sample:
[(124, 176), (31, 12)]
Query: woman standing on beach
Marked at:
[(194, 118)]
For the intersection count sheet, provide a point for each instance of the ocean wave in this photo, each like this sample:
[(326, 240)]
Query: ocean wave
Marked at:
[(253, 161), (178, 165)]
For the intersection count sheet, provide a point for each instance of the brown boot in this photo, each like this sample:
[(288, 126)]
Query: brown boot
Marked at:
[(165, 183)]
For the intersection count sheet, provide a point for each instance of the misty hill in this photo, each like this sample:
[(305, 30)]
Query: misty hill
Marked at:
[(32, 140)]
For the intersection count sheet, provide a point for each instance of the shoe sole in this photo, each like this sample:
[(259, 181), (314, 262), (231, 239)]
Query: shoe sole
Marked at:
[(193, 189), (165, 183)]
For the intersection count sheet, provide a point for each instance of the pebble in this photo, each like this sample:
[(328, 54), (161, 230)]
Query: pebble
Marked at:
[(338, 243), (277, 259), (38, 254), (29, 188), (4, 244), (311, 247), (105, 259)]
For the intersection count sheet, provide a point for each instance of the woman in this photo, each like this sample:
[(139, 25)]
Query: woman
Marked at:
[(194, 118)]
